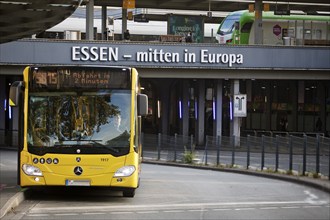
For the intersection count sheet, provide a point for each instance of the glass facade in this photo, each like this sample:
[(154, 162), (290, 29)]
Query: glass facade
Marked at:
[(273, 106), (288, 105), (175, 105)]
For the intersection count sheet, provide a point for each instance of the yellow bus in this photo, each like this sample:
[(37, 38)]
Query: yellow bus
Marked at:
[(79, 126)]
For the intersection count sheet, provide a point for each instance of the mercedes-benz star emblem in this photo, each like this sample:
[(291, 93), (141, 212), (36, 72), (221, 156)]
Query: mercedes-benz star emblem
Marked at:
[(78, 159), (78, 171)]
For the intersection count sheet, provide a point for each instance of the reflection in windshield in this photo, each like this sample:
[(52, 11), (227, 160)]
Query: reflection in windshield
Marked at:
[(88, 119), (227, 26)]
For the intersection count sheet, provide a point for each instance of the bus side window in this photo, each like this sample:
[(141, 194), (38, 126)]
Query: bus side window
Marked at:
[(246, 27)]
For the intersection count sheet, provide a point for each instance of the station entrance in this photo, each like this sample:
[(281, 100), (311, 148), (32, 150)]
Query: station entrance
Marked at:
[(189, 107), (273, 106), (191, 87)]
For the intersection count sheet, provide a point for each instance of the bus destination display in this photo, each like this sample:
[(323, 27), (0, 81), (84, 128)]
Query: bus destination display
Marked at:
[(79, 78)]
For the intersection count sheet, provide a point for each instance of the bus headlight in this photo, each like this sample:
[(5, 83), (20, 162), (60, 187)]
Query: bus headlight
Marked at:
[(31, 170), (125, 171)]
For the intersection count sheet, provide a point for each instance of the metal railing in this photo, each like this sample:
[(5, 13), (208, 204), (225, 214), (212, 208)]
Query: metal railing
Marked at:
[(305, 155)]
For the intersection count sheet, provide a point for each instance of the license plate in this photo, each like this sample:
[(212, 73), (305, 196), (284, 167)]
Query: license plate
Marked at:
[(77, 183)]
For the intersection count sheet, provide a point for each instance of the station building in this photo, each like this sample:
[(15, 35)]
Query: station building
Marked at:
[(194, 89)]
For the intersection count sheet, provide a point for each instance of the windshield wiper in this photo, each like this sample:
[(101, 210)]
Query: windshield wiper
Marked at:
[(71, 143), (107, 147), (115, 146)]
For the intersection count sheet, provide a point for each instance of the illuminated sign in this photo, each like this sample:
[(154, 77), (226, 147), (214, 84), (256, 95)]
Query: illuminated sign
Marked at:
[(240, 105), (162, 55), (154, 55), (75, 77), (183, 25)]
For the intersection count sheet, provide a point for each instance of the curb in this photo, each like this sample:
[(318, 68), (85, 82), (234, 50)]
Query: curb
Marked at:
[(13, 202), (319, 184)]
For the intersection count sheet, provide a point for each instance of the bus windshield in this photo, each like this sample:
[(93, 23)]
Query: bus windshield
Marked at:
[(93, 122)]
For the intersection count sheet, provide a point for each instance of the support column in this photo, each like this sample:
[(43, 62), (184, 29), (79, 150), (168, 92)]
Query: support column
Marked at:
[(104, 21), (124, 23), (217, 130), (90, 20), (322, 103), (249, 99), (185, 108), (165, 105), (235, 124), (3, 109), (268, 106), (301, 102), (201, 113), (294, 113), (165, 102), (258, 33)]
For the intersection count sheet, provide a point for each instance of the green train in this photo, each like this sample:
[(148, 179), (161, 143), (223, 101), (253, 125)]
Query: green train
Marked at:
[(238, 28)]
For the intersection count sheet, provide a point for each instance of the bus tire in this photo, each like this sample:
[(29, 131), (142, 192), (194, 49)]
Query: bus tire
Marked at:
[(129, 192)]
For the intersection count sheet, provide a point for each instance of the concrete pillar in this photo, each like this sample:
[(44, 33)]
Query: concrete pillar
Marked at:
[(268, 105), (124, 23), (104, 21), (322, 103), (235, 124), (90, 20), (201, 113), (294, 113), (217, 130), (3, 111), (185, 108), (165, 102), (258, 33), (301, 101), (249, 99)]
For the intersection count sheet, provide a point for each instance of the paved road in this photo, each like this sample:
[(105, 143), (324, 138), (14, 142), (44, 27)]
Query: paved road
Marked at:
[(8, 176), (182, 193), (255, 160)]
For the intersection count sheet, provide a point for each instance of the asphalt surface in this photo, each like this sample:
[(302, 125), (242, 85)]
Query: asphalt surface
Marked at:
[(12, 195), (171, 192)]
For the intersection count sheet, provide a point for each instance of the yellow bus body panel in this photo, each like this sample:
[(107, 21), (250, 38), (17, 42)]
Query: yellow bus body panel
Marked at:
[(98, 170)]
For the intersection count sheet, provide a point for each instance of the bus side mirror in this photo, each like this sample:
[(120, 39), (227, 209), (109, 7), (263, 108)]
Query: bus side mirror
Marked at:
[(15, 92), (142, 104)]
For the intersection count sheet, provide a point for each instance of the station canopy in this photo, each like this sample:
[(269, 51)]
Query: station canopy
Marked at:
[(23, 18)]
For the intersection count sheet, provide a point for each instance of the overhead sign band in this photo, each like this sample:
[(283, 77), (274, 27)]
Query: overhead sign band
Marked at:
[(163, 55), (154, 55)]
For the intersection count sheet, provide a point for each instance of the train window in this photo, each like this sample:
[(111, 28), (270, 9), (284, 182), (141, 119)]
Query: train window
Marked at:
[(246, 27)]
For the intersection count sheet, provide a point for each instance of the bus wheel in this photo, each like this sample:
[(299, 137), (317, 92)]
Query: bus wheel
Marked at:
[(129, 193)]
